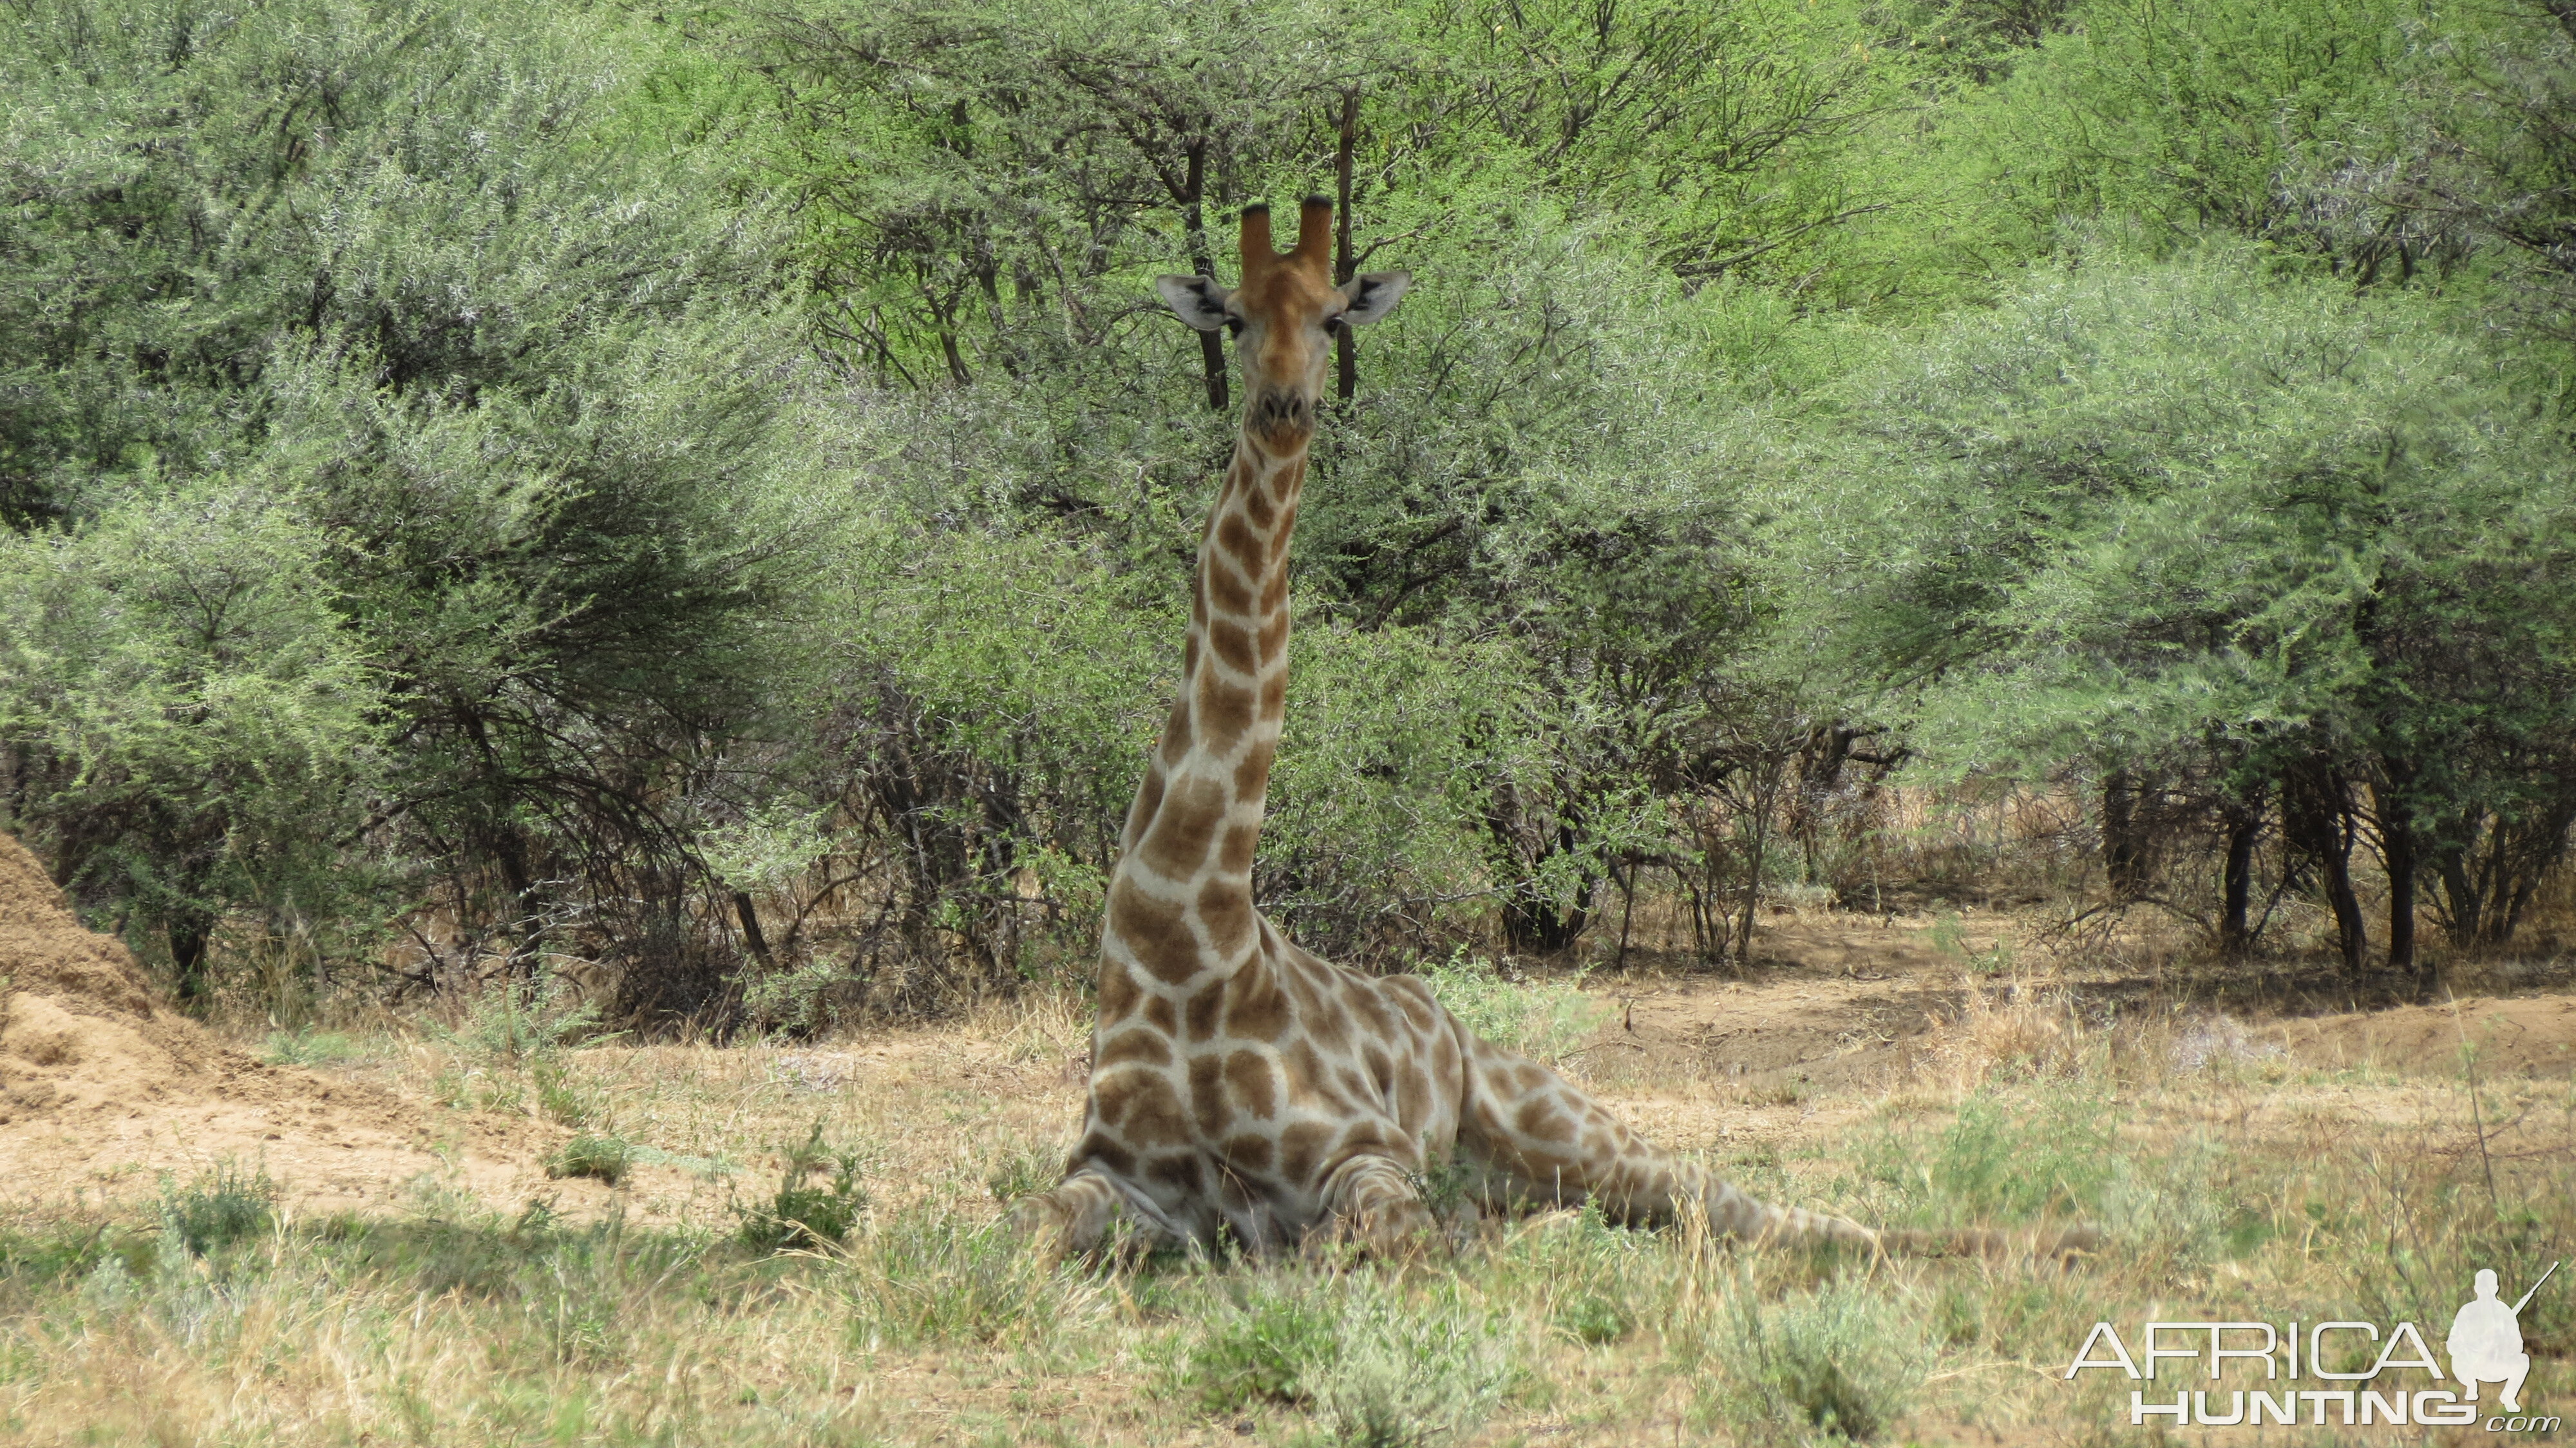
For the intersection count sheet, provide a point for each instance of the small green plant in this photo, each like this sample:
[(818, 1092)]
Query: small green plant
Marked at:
[(307, 1047), (2016, 1158), (1268, 1350), (1950, 943), (604, 1157), (803, 1213), (927, 1278), (794, 1002), (218, 1209), (1376, 1369), (1594, 1318), (1838, 1361), (1411, 1373), (516, 1024), (556, 1096), (472, 1088), (1026, 1170), (1541, 1019)]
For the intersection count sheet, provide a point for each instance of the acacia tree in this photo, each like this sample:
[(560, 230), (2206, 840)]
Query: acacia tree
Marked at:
[(2194, 519), (513, 357), (973, 177)]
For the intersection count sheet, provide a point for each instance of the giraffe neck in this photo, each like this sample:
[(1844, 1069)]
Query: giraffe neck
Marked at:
[(1190, 834)]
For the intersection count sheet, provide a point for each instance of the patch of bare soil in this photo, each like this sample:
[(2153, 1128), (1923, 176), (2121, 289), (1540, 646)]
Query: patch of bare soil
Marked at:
[(1840, 1002), (1854, 1003), (102, 1088), (2511, 1035)]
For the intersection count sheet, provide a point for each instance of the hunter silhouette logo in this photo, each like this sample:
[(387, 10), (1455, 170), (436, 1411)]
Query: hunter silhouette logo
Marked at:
[(2485, 1346), (2486, 1341)]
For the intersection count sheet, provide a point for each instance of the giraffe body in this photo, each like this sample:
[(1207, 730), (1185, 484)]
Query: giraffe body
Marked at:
[(1243, 1088)]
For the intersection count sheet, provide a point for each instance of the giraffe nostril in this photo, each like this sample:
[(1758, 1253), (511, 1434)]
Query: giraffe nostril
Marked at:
[(1281, 409)]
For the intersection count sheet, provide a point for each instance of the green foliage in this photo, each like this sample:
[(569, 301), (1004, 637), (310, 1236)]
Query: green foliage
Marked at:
[(1540, 1019), (2213, 115), (195, 723), (513, 1024), (606, 1158), (1267, 1351), (803, 1213), (1026, 1168), (1594, 1318), (308, 1047), (2185, 518), (709, 495), (926, 1278), (225, 1206), (1373, 1367), (1837, 1361)]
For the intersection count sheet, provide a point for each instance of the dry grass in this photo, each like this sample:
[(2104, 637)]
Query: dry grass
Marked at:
[(2235, 1181)]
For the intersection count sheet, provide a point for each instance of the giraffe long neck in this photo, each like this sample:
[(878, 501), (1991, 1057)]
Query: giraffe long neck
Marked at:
[(1185, 866)]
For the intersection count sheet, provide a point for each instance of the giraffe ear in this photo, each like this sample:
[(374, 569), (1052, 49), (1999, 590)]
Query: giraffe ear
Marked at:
[(1198, 301), (1373, 295)]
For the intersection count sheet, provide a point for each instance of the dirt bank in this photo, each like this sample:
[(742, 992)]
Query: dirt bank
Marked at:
[(103, 1088)]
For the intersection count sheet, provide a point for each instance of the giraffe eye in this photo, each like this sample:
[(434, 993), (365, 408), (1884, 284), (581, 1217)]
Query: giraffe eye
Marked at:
[(1333, 323)]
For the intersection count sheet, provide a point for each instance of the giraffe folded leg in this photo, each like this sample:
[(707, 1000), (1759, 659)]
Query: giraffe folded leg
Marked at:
[(1076, 1217), (1372, 1200)]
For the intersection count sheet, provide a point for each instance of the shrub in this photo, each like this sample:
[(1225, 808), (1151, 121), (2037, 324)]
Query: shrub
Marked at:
[(1837, 1360), (603, 1157), (1268, 1350), (220, 1208), (307, 1047), (1378, 1370), (801, 1214)]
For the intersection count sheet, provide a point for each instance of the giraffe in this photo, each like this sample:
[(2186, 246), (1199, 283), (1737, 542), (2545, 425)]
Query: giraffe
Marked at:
[(1243, 1088)]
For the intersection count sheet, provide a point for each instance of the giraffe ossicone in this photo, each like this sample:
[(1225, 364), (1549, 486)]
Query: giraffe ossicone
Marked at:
[(1243, 1088)]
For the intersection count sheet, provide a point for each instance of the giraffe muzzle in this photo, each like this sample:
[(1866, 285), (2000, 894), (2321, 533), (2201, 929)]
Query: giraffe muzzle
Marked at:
[(1283, 413)]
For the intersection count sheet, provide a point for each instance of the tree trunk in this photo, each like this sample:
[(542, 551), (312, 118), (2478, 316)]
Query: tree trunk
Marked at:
[(2397, 849), (1194, 226), (2316, 815), (2244, 828), (190, 932), (1532, 919), (2461, 895), (2124, 854), (744, 911)]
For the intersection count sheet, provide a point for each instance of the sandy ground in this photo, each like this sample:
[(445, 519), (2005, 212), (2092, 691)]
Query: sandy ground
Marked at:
[(104, 1091)]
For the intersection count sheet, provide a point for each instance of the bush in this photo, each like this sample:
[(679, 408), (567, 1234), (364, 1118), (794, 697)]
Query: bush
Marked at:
[(605, 1158), (1838, 1360), (1376, 1368), (225, 1206), (801, 1213), (307, 1047), (1269, 1350)]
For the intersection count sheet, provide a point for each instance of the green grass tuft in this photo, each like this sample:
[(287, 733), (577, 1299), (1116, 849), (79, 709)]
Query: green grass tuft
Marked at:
[(308, 1047), (222, 1207), (1269, 1350), (1541, 1019), (1840, 1361), (802, 1213), (606, 1158)]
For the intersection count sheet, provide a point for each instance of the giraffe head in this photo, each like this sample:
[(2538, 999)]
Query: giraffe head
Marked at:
[(1284, 316)]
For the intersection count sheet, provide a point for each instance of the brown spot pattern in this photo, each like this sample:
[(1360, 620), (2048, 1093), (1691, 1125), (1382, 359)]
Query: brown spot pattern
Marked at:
[(1155, 931)]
